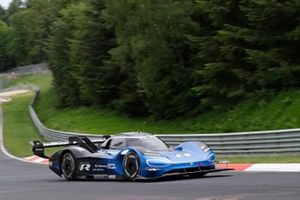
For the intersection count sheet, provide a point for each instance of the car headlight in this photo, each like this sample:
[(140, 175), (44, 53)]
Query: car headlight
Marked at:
[(164, 162), (204, 147)]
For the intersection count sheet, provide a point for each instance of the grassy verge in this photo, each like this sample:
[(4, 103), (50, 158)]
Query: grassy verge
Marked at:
[(278, 112), (18, 129)]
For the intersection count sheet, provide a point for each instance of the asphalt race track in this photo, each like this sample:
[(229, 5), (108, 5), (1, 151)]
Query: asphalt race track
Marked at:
[(20, 180), (28, 181)]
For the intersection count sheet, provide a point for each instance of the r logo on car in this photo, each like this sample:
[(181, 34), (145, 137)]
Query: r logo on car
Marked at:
[(84, 166)]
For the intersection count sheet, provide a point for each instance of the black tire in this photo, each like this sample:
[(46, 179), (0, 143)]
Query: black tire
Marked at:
[(197, 175), (68, 166), (131, 165)]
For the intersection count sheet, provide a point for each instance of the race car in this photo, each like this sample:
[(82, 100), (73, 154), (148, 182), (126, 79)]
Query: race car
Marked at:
[(127, 156)]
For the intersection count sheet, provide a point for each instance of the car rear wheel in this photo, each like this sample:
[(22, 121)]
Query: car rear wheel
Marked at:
[(131, 165), (68, 166)]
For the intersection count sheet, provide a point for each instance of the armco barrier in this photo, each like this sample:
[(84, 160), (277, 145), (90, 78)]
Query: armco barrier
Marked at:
[(261, 142), (54, 135), (50, 134)]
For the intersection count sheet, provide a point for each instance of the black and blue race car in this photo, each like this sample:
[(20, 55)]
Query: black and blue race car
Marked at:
[(127, 156)]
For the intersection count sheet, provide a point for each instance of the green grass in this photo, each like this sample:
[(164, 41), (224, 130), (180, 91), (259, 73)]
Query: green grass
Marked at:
[(279, 112), (18, 128)]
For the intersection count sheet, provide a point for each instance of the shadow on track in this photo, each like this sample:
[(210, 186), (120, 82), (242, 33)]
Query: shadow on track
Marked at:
[(164, 179), (182, 178)]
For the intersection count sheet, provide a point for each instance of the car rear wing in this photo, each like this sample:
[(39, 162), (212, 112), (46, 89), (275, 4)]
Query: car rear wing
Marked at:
[(38, 148)]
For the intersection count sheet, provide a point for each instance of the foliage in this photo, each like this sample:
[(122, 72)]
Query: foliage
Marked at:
[(5, 60), (65, 84), (2, 13), (166, 59), (250, 48), (97, 76), (30, 27), (155, 53), (14, 7)]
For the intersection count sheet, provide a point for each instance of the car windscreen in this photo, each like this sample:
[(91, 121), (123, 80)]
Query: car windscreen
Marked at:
[(151, 143)]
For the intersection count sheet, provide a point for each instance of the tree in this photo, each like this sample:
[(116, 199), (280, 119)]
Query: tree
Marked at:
[(92, 40), (131, 98), (155, 53), (222, 69), (274, 53), (3, 14), (65, 83), (5, 60), (30, 31), (14, 7), (249, 47), (165, 58), (18, 44)]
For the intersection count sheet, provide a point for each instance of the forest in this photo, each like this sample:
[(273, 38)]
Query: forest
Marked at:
[(167, 59)]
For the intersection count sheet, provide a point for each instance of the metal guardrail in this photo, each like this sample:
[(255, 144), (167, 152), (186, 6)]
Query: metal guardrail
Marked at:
[(244, 143), (50, 134), (28, 70), (262, 142)]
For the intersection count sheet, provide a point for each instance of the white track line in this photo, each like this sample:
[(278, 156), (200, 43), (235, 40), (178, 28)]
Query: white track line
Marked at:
[(14, 92), (274, 168)]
